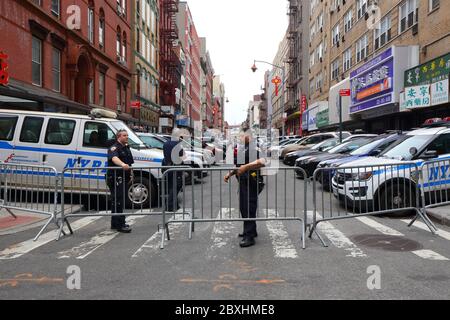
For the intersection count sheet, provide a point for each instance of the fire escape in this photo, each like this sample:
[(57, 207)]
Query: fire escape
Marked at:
[(168, 59), (292, 58)]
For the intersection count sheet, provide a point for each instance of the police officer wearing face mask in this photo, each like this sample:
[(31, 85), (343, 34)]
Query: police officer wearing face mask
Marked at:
[(251, 184), (119, 180)]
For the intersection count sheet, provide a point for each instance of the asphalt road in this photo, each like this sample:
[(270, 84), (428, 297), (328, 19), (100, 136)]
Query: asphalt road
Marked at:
[(410, 262)]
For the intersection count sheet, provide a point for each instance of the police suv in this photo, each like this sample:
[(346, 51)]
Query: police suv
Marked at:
[(390, 180), (65, 141)]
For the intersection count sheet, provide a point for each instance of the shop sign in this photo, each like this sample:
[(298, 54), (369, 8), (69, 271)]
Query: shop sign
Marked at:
[(433, 71), (322, 118), (417, 97), (439, 92)]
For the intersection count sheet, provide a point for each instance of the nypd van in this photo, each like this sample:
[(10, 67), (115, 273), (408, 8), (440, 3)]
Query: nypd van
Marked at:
[(65, 141), (420, 159)]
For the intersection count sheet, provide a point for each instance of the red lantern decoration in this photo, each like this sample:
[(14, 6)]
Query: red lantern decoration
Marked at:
[(276, 81)]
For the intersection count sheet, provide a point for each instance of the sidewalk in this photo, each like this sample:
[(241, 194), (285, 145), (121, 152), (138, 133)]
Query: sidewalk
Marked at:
[(25, 220), (440, 214)]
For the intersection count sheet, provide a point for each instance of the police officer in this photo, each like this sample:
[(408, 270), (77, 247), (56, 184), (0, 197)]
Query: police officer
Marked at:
[(119, 155), (250, 185)]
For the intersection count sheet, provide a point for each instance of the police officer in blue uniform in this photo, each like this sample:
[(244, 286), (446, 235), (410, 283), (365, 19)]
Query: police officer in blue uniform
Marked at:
[(251, 184), (119, 155)]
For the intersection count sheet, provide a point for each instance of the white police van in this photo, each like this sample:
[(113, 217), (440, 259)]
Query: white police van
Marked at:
[(77, 141), (390, 180)]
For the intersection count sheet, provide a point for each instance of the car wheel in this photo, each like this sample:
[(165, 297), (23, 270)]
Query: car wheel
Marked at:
[(142, 193), (397, 196)]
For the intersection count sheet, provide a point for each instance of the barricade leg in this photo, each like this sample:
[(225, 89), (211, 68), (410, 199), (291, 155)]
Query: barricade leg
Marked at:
[(425, 219)]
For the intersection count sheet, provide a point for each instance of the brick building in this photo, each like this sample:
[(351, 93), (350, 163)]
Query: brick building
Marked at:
[(191, 46), (348, 45), (67, 55)]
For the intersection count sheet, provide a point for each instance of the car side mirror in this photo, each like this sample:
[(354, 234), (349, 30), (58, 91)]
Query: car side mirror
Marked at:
[(430, 154), (375, 152)]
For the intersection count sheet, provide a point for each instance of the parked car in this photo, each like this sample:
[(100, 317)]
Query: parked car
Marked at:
[(371, 149), (377, 178), (291, 157), (310, 141), (309, 163)]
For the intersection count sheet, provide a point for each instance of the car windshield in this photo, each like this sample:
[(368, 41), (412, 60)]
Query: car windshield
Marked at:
[(325, 144), (401, 148), (348, 146), (365, 149), (152, 142), (133, 139), (193, 142)]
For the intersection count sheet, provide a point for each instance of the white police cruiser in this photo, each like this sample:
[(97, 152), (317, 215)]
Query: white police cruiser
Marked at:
[(390, 180), (77, 141)]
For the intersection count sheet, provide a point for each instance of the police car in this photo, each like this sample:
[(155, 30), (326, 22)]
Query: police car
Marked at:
[(390, 180), (77, 141)]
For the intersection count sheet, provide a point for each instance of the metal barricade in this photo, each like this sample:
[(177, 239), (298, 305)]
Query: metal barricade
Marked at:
[(140, 192), (355, 191), (435, 183), (30, 188), (282, 197)]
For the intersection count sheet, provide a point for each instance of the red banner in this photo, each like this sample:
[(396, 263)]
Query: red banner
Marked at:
[(4, 75), (135, 104)]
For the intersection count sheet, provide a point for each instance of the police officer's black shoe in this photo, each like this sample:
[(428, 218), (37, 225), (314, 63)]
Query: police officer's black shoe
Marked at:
[(124, 229), (241, 235), (247, 242)]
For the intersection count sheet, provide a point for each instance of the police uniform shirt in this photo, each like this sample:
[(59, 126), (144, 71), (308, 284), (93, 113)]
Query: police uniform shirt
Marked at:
[(246, 153), (122, 152)]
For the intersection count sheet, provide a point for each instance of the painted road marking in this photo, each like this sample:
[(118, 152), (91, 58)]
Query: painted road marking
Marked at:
[(222, 233), (419, 224), (281, 243), (425, 254), (18, 250), (338, 239), (152, 245), (429, 255), (86, 248), (379, 227)]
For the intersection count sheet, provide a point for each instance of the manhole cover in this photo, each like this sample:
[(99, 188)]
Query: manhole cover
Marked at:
[(388, 243)]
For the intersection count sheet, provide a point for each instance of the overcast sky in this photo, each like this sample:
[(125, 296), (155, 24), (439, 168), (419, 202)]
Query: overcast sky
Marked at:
[(237, 32)]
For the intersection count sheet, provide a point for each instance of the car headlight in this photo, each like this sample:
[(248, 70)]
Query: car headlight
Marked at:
[(361, 176)]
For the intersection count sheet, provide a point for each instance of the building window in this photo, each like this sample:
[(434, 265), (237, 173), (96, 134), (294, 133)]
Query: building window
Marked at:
[(55, 7), (56, 69), (335, 70), (138, 41), (382, 34), (119, 95), (335, 35), (347, 59), (101, 29), (118, 42), (101, 89), (91, 25), (409, 13), (434, 4), (124, 47), (311, 59), (37, 2), (36, 62), (319, 81), (362, 48), (361, 6), (91, 92), (348, 21)]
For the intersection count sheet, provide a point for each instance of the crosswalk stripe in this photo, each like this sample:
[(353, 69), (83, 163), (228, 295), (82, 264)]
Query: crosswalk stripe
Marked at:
[(222, 233), (18, 250), (425, 254), (151, 246), (338, 239), (379, 227), (419, 224), (429, 255), (281, 243), (86, 248)]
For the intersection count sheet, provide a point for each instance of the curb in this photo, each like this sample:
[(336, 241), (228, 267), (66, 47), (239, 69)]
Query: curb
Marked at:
[(443, 219)]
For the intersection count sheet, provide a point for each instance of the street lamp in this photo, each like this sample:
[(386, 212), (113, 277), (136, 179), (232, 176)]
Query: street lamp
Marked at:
[(283, 69)]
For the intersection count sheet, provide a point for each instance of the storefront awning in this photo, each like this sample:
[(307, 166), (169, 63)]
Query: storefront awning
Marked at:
[(294, 115)]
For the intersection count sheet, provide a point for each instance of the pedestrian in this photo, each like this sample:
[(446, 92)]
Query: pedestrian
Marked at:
[(251, 184), (118, 180), (173, 156)]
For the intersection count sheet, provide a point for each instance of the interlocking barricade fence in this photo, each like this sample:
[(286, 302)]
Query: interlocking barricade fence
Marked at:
[(435, 183), (355, 191), (113, 191), (281, 196), (30, 188)]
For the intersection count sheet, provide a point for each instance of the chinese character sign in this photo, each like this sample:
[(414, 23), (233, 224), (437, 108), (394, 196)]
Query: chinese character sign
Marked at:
[(417, 97), (433, 71)]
